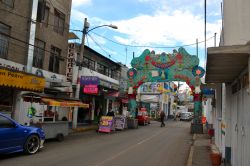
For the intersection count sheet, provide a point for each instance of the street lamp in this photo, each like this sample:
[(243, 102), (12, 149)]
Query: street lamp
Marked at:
[(85, 31)]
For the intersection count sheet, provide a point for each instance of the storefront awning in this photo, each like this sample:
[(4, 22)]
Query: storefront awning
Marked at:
[(21, 80), (63, 103), (224, 64)]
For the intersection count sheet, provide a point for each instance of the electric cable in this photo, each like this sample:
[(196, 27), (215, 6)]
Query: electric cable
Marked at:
[(127, 45)]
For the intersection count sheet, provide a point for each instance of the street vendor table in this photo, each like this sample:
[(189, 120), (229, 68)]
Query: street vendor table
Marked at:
[(57, 129)]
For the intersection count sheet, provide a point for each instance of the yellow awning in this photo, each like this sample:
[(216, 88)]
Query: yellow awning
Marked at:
[(21, 80), (64, 103)]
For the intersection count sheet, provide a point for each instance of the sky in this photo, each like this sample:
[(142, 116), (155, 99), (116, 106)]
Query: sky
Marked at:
[(159, 25)]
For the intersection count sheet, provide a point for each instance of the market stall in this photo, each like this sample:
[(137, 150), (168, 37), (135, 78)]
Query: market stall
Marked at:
[(53, 114)]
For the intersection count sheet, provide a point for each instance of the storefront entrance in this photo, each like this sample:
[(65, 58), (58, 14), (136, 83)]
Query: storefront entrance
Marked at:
[(6, 100)]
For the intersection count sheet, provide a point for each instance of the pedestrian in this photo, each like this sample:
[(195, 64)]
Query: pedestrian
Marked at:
[(110, 112), (162, 116), (174, 115)]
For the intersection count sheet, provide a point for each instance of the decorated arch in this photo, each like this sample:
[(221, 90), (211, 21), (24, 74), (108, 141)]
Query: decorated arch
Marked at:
[(176, 66)]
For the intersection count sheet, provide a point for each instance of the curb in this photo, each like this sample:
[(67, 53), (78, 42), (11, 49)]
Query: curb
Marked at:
[(83, 129), (191, 152)]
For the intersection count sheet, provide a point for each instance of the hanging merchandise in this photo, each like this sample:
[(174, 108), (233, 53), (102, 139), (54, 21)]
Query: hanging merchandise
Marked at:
[(31, 112)]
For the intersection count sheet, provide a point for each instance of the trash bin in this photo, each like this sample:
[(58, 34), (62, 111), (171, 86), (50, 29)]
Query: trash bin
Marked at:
[(132, 123)]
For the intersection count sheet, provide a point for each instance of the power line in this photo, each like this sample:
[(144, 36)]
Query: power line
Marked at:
[(35, 21), (99, 45), (26, 43), (111, 50), (127, 45)]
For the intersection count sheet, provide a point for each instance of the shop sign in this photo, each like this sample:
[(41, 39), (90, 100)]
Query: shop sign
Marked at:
[(120, 122), (208, 93), (109, 85), (11, 65), (70, 62), (89, 80), (153, 87), (90, 89), (106, 124), (21, 80)]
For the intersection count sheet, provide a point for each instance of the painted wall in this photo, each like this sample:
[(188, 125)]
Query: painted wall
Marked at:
[(240, 127), (236, 24)]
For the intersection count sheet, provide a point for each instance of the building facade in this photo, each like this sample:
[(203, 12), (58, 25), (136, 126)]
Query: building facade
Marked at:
[(40, 36), (228, 67), (99, 79)]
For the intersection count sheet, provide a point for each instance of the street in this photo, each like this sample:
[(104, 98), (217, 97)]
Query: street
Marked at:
[(148, 146)]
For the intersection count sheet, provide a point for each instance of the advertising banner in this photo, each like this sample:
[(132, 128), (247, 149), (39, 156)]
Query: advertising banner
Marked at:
[(90, 89), (120, 122), (106, 124), (21, 80), (89, 80)]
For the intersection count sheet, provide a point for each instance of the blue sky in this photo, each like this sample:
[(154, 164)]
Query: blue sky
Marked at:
[(149, 23)]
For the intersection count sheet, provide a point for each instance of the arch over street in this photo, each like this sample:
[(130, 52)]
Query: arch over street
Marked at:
[(176, 66)]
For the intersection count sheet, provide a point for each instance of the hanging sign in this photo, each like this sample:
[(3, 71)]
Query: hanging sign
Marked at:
[(90, 89), (89, 80), (70, 62)]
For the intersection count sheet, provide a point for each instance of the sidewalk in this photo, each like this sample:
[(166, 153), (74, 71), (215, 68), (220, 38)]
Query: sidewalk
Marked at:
[(83, 128), (200, 150)]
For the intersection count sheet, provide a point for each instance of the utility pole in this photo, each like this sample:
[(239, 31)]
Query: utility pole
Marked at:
[(32, 35), (79, 68), (197, 47), (215, 39)]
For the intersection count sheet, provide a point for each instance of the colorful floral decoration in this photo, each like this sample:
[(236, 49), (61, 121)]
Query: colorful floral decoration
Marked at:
[(198, 71), (131, 73)]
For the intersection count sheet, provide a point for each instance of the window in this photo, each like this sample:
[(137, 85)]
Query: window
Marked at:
[(115, 74), (100, 68), (4, 40), (54, 60), (59, 21), (103, 69), (88, 63), (5, 123), (43, 13), (39, 53), (107, 71), (9, 3)]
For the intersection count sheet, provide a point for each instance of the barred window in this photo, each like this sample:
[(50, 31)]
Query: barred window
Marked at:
[(59, 20), (100, 68), (9, 3), (43, 13), (88, 63), (4, 40), (39, 53), (54, 61)]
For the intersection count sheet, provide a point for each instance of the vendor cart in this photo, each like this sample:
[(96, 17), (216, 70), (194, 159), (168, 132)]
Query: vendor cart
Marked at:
[(57, 129), (48, 120)]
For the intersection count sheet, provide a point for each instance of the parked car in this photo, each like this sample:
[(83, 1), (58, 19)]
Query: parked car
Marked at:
[(15, 137), (186, 116), (143, 117)]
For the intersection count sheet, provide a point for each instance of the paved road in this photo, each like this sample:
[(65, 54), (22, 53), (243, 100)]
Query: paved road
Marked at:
[(147, 146)]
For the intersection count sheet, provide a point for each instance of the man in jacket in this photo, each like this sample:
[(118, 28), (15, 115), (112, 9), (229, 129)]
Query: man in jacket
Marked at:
[(162, 116)]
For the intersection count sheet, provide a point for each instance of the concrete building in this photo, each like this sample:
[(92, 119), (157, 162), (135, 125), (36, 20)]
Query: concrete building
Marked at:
[(228, 68), (43, 24), (99, 79)]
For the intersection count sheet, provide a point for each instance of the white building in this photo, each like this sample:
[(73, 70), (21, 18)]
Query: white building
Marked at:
[(228, 67)]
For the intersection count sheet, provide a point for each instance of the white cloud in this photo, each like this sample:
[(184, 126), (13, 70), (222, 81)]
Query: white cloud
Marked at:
[(78, 16), (165, 29), (77, 3), (168, 26)]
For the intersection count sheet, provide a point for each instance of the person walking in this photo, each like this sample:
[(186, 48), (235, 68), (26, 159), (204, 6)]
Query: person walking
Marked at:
[(162, 116)]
